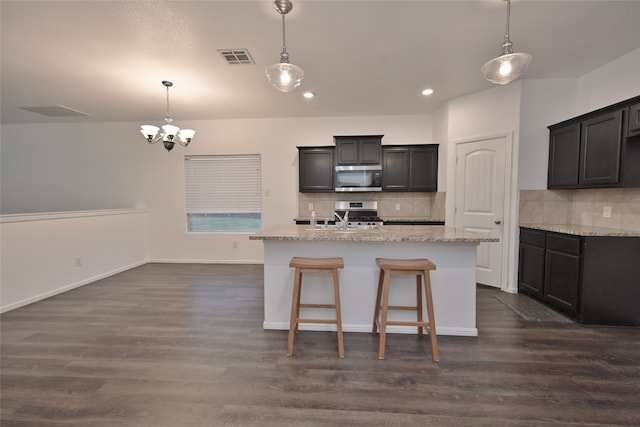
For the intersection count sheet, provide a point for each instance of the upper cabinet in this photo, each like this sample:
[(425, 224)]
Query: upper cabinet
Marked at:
[(594, 150), (633, 127), (358, 150), (316, 169), (410, 167)]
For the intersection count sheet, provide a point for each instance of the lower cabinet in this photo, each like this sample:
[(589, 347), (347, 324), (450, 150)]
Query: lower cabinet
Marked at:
[(593, 279)]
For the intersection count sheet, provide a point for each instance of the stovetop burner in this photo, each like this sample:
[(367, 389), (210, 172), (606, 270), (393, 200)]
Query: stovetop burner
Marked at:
[(360, 213)]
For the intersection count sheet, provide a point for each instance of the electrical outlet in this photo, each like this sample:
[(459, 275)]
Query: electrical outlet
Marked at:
[(78, 261), (606, 212), (310, 206), (267, 193), (397, 206), (235, 245)]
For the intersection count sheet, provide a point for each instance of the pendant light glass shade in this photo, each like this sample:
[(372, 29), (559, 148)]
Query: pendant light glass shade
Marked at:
[(284, 76), (508, 66)]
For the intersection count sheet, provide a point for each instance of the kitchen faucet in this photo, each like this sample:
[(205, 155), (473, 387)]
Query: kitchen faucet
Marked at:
[(343, 220)]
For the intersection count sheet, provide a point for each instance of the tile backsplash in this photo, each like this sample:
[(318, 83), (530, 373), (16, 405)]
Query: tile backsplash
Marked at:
[(582, 207), (390, 204)]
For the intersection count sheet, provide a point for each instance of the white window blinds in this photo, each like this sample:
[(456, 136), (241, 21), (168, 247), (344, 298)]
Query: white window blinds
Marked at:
[(223, 184)]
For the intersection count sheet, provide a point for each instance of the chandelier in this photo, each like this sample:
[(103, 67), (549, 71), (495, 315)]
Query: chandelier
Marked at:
[(508, 66), (168, 134), (284, 76)]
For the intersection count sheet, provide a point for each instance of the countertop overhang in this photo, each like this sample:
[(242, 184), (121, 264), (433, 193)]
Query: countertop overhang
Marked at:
[(387, 233), (583, 230)]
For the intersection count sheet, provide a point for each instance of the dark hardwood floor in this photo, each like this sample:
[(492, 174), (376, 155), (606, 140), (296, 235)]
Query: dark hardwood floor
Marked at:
[(183, 345)]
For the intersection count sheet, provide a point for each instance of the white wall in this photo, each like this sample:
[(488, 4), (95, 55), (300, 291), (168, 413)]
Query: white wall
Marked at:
[(549, 101), (39, 251), (70, 167), (65, 167), (544, 102), (492, 111), (613, 82)]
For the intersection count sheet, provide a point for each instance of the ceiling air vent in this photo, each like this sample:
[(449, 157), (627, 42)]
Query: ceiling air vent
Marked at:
[(236, 56), (56, 111)]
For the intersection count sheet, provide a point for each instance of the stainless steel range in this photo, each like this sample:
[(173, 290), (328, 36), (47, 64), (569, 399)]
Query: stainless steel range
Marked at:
[(358, 213)]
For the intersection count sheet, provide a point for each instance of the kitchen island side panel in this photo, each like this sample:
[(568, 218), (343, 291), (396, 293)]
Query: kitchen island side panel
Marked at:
[(453, 283)]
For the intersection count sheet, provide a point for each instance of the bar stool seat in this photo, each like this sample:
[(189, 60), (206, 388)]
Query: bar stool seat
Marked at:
[(315, 265), (415, 267)]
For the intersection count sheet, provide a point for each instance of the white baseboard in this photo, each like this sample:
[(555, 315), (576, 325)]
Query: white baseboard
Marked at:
[(206, 261), (463, 332)]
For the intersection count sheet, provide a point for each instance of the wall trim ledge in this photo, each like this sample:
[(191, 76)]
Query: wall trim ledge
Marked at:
[(47, 216)]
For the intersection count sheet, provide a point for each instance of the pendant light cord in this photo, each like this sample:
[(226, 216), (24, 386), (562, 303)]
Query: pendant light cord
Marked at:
[(508, 18), (284, 42)]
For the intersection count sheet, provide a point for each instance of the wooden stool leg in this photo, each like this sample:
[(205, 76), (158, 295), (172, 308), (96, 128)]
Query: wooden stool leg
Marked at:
[(376, 311), (385, 312), (297, 328), (419, 301), (432, 321), (336, 291), (295, 310)]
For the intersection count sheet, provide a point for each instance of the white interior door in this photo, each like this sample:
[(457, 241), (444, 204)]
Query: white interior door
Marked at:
[(480, 200)]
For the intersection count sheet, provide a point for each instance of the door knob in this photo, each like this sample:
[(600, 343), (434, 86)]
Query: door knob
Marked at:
[(498, 222)]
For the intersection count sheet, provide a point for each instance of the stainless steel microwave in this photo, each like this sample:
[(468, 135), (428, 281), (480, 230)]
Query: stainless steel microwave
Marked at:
[(358, 178)]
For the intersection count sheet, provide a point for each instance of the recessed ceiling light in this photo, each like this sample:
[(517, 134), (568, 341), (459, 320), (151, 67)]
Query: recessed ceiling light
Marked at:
[(427, 91), (309, 95)]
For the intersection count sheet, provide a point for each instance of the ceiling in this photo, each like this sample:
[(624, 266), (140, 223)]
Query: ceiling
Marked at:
[(361, 57)]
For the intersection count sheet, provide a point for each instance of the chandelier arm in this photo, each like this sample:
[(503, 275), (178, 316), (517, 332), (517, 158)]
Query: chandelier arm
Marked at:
[(168, 115)]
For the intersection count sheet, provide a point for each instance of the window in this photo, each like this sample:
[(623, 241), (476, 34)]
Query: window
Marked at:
[(223, 193)]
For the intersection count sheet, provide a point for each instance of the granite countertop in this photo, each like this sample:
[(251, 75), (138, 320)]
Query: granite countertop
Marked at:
[(389, 218), (583, 230), (387, 233)]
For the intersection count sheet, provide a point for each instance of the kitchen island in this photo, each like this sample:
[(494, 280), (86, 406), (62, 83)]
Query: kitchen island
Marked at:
[(454, 281)]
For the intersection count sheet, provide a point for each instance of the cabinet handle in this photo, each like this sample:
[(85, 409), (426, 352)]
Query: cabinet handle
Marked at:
[(498, 222)]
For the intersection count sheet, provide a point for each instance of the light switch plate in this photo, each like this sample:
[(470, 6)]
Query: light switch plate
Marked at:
[(397, 206), (606, 212)]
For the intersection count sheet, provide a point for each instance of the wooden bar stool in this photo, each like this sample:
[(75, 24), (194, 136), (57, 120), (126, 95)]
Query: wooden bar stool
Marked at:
[(315, 265), (415, 267)]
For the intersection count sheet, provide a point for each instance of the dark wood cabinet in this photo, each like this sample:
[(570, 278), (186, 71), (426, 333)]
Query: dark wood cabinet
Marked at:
[(562, 271), (316, 169), (531, 266), (633, 124), (564, 156), (410, 167), (358, 150), (586, 154), (593, 279), (598, 149)]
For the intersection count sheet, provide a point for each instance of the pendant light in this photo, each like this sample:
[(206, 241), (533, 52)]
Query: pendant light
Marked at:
[(284, 76), (168, 134), (508, 66)]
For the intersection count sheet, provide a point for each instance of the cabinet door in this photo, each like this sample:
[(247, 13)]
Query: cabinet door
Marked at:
[(370, 151), (531, 270), (633, 128), (424, 168), (395, 169), (316, 169), (600, 149), (531, 262), (347, 152), (562, 271), (564, 155)]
